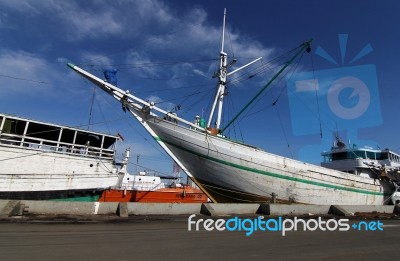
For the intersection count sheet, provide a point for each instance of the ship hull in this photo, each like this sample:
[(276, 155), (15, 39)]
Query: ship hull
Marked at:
[(233, 172), (166, 195), (91, 195), (28, 173)]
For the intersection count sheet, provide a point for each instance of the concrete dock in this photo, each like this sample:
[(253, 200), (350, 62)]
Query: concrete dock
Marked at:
[(168, 238), (10, 208), (53, 230)]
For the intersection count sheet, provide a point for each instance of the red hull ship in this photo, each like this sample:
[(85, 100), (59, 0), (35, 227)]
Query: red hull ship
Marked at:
[(144, 188), (166, 195)]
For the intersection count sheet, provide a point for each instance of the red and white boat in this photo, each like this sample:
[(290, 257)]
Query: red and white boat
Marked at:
[(145, 188)]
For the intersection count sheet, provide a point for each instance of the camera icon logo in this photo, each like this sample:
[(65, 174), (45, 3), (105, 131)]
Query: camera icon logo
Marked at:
[(360, 90), (344, 99)]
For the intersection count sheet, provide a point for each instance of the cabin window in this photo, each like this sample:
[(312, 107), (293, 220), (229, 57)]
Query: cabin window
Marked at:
[(41, 131), (67, 136), (339, 156), (327, 158), (351, 155), (12, 126), (393, 157), (356, 154), (371, 155), (361, 154), (384, 156)]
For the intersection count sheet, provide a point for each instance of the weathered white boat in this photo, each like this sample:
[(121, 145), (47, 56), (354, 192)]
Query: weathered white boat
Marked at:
[(228, 171), (366, 162), (47, 161)]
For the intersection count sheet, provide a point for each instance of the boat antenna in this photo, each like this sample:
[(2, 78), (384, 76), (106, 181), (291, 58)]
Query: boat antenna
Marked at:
[(339, 143)]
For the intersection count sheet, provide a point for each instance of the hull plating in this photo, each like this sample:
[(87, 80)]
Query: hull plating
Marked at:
[(25, 170), (233, 172)]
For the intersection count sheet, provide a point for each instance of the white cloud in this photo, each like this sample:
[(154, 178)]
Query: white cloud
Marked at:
[(159, 102), (23, 71), (27, 7), (198, 72), (98, 20), (143, 63), (92, 25), (90, 58), (153, 98)]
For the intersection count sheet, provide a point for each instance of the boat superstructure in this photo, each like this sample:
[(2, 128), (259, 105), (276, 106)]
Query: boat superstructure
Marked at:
[(41, 160), (229, 171), (364, 161)]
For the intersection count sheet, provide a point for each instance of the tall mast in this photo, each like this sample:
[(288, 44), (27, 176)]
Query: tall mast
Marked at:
[(222, 78), (219, 97)]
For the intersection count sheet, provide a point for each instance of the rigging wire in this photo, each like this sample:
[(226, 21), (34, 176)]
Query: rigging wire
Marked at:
[(263, 68), (231, 42), (184, 97), (118, 112), (125, 66), (22, 79), (149, 39), (91, 107), (282, 76), (316, 95), (284, 132), (235, 126), (192, 105), (102, 116), (316, 114)]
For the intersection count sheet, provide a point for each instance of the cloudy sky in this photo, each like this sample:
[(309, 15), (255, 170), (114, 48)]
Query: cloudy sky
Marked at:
[(167, 52)]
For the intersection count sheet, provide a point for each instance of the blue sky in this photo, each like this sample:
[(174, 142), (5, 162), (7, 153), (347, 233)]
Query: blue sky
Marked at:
[(167, 51)]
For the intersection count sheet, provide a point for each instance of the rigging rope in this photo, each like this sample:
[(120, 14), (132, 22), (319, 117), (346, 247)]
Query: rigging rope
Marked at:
[(302, 47), (22, 79), (281, 77), (316, 96), (284, 132)]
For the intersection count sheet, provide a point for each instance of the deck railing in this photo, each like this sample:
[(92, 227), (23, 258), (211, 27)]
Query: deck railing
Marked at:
[(54, 146)]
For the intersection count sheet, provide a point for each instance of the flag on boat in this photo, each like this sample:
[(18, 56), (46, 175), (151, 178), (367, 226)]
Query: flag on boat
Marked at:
[(120, 136)]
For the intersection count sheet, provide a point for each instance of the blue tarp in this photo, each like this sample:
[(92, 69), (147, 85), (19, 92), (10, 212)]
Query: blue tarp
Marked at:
[(111, 76)]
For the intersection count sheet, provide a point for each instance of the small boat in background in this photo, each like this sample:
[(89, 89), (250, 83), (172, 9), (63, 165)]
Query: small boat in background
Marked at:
[(145, 188), (376, 164)]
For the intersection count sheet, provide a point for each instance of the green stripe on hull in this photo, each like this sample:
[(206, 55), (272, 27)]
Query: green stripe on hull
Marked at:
[(79, 199), (274, 174)]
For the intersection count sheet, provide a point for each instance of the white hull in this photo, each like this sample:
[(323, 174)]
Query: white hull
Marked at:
[(232, 172), (29, 170), (228, 171)]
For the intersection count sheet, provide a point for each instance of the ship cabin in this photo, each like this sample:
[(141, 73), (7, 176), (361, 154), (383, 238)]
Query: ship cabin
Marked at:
[(359, 161), (35, 135)]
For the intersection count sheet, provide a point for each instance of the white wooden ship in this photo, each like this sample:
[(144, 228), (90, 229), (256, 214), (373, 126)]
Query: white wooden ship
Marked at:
[(41, 160), (228, 171)]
